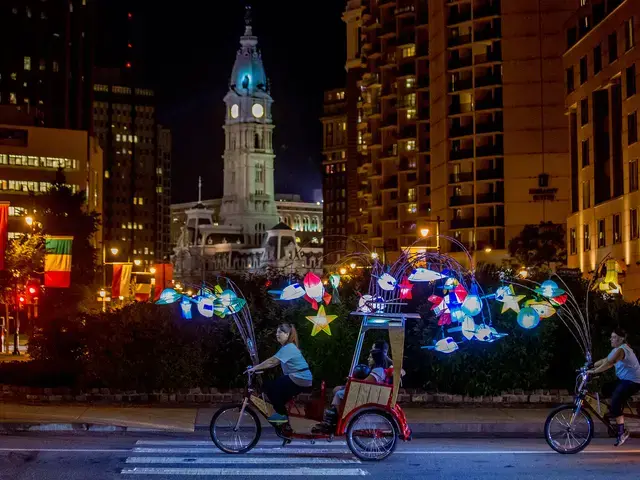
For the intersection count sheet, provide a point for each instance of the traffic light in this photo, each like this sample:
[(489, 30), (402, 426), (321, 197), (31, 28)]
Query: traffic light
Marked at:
[(32, 290)]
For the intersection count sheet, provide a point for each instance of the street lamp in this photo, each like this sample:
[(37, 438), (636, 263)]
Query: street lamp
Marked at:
[(343, 271), (353, 266), (103, 293), (29, 220), (424, 232), (114, 251), (152, 270), (137, 262), (374, 255), (487, 249)]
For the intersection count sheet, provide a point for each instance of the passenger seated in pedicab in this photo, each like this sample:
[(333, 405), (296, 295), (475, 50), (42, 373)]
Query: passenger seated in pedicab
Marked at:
[(373, 373), (296, 376)]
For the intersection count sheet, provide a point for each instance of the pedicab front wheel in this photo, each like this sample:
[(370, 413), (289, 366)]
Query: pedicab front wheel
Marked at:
[(234, 430), (372, 435)]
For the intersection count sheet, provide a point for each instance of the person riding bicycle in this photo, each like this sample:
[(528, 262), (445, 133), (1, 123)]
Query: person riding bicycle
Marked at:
[(628, 383), (296, 376)]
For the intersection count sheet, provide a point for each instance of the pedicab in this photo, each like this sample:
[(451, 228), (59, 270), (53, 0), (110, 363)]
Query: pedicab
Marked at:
[(370, 417)]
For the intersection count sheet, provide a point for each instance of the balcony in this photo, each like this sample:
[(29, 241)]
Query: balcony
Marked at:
[(386, 2), (461, 177), (496, 221), (490, 174), (488, 58), (423, 16), (424, 113), (495, 197), (405, 9), (457, 40), (390, 214), (486, 80), (408, 131), (456, 109), (389, 89), (489, 104), (391, 151), (406, 37), (390, 119), (407, 165), (390, 184), (457, 63), (389, 59), (424, 209), (459, 17), (373, 110), (422, 49), (462, 223), (389, 27), (371, 79), (408, 228), (487, 34), (487, 10), (459, 200), (461, 154), (489, 150), (490, 127), (407, 68), (460, 131), (459, 85)]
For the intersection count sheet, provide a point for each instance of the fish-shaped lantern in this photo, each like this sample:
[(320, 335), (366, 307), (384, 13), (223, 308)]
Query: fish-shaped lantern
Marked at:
[(227, 303), (168, 296), (205, 306), (314, 289), (405, 289), (386, 282), (292, 292), (334, 281), (425, 275), (543, 307), (444, 345), (367, 304)]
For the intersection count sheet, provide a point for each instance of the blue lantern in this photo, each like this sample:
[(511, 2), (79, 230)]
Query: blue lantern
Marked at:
[(528, 318)]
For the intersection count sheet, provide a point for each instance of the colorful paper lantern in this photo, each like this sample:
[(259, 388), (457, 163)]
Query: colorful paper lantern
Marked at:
[(446, 345), (386, 282), (549, 289), (405, 289), (425, 275), (472, 305), (528, 318)]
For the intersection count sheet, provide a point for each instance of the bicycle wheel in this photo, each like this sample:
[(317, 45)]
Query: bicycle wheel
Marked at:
[(233, 433), (372, 435), (565, 435)]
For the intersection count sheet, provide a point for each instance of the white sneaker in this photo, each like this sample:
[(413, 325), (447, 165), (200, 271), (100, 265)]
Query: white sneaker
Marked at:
[(621, 438)]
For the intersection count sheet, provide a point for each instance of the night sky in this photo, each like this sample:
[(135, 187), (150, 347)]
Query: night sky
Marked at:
[(186, 50)]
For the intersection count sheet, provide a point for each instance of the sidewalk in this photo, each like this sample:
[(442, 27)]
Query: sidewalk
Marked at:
[(425, 422)]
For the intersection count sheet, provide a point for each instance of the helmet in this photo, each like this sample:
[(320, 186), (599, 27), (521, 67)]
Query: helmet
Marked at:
[(361, 371)]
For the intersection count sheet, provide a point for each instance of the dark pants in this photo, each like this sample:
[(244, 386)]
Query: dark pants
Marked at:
[(620, 392), (281, 390)]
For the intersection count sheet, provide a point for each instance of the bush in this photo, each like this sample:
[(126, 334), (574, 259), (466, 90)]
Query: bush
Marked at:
[(150, 347)]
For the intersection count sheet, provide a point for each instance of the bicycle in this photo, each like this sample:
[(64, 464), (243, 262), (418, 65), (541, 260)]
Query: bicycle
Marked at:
[(575, 420)]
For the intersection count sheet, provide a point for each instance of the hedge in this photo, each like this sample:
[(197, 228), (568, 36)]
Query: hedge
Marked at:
[(146, 347)]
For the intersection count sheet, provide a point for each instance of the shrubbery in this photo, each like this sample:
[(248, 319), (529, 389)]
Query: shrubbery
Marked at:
[(147, 347)]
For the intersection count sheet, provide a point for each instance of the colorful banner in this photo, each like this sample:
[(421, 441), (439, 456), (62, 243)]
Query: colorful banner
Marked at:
[(4, 224), (57, 262), (143, 292), (163, 276), (121, 284)]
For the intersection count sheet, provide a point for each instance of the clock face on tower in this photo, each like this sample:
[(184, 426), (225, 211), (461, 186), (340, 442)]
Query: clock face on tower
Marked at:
[(235, 110), (257, 110)]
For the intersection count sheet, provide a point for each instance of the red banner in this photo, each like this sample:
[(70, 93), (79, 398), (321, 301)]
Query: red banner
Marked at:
[(164, 276), (121, 283), (4, 230)]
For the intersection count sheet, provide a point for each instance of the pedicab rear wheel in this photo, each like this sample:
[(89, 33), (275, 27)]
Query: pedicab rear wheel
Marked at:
[(372, 435)]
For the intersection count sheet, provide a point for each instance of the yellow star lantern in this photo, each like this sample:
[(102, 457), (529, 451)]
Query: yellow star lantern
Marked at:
[(321, 322)]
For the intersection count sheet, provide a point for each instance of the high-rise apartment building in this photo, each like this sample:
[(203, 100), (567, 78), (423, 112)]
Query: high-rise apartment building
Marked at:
[(462, 120), (46, 60), (334, 183), (602, 63), (137, 168)]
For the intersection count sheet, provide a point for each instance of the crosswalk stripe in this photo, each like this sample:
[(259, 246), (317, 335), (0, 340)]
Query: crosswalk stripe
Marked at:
[(248, 472), (214, 450), (250, 460), (209, 443)]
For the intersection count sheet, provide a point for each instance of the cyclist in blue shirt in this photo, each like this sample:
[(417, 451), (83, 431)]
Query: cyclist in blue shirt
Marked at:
[(628, 383), (296, 376)]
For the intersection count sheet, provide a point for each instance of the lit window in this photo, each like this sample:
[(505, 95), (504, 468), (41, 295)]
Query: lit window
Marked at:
[(410, 82), (106, 174), (158, 189), (14, 76), (410, 145), (12, 98), (412, 208), (411, 113), (118, 137), (140, 201), (27, 63), (411, 195), (135, 200), (56, 67), (408, 51)]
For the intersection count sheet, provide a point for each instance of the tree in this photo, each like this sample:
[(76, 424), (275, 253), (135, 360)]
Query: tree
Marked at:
[(540, 245)]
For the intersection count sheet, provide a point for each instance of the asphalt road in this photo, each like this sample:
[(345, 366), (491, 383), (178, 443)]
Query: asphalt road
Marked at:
[(175, 457)]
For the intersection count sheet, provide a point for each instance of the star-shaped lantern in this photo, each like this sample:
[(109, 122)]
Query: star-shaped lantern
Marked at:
[(509, 300), (321, 321)]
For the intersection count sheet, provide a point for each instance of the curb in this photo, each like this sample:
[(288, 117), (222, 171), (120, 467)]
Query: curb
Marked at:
[(420, 430), (8, 428)]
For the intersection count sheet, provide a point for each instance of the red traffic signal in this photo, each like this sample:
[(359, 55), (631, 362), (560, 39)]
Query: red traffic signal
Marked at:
[(21, 299), (32, 290)]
